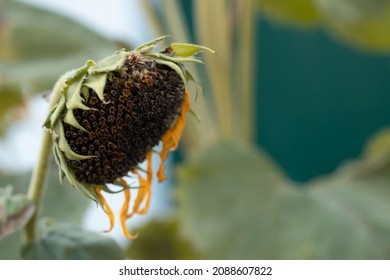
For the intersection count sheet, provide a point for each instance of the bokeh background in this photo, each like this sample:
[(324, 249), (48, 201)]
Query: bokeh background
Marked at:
[(290, 158)]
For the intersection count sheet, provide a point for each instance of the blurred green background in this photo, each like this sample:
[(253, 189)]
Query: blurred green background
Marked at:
[(291, 158)]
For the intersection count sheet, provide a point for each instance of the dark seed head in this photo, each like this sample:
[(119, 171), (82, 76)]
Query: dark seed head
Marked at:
[(142, 100)]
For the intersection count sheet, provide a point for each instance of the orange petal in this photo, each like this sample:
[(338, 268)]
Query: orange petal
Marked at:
[(171, 139), (148, 186), (107, 209), (124, 214), (125, 207), (145, 190)]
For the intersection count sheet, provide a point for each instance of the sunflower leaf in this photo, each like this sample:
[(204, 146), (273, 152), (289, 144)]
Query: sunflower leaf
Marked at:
[(37, 61), (340, 216), (63, 241), (15, 211)]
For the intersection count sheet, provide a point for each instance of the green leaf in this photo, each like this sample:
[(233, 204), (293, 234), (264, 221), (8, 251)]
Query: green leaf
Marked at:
[(10, 246), (161, 240), (15, 211), (364, 24), (11, 101), (61, 241), (224, 194), (59, 202), (237, 204), (38, 46), (302, 13)]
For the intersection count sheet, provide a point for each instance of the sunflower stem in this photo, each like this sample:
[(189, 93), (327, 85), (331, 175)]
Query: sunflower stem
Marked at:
[(213, 22), (38, 177), (245, 70)]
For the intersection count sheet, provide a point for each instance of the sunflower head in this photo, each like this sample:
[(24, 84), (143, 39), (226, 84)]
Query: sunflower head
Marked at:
[(110, 114)]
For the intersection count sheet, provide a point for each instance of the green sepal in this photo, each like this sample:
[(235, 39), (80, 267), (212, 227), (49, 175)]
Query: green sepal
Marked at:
[(121, 185), (75, 74), (62, 164), (175, 59), (192, 112), (61, 173), (116, 183), (85, 92), (150, 45), (48, 122), (97, 82), (174, 67), (70, 119), (57, 110), (72, 97), (74, 100), (65, 147), (69, 173), (110, 63), (191, 77), (143, 169), (187, 50)]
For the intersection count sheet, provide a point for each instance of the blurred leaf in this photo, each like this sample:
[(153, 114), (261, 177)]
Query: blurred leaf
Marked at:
[(377, 154), (161, 240), (60, 202), (38, 46), (379, 145), (236, 204), (15, 211), (224, 194), (61, 241), (11, 104), (10, 246), (301, 13), (363, 23)]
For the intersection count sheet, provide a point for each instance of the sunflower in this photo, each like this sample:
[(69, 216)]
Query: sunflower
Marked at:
[(109, 115)]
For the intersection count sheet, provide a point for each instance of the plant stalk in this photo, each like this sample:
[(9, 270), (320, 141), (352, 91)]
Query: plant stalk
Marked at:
[(213, 23), (37, 182), (37, 185), (246, 127)]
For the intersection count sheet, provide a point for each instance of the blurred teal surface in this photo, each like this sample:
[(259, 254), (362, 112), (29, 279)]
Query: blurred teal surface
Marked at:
[(318, 100)]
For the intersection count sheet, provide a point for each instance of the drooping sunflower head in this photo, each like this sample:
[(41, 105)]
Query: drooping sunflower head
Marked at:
[(108, 116)]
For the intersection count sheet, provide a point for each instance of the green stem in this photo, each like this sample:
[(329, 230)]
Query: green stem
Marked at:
[(37, 181), (245, 70), (37, 184)]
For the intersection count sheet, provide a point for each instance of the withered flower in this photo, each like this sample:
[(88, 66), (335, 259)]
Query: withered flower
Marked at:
[(111, 114)]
